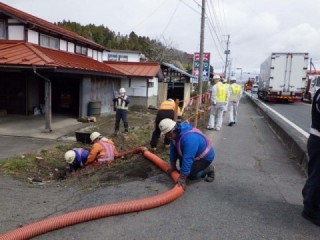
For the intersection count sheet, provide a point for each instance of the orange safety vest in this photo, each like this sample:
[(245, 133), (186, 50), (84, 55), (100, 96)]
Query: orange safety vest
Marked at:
[(169, 105), (108, 151)]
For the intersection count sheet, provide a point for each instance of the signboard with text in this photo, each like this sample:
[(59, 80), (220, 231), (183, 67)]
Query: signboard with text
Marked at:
[(206, 66)]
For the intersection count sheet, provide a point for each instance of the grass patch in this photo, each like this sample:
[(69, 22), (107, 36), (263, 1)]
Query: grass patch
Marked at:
[(49, 164)]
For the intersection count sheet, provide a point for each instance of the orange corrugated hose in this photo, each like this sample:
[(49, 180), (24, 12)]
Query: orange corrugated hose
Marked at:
[(68, 219)]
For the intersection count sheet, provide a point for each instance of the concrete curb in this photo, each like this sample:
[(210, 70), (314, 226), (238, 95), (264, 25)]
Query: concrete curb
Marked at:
[(295, 142)]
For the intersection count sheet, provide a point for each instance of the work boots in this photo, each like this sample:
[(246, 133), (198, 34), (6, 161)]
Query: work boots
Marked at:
[(210, 175)]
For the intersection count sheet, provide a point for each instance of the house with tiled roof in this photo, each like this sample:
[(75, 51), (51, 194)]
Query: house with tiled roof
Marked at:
[(142, 81), (42, 64)]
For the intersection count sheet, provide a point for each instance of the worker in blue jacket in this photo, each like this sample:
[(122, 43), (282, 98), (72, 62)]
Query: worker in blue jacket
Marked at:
[(76, 158), (193, 149)]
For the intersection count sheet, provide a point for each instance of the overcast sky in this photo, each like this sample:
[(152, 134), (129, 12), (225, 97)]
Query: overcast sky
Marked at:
[(256, 27)]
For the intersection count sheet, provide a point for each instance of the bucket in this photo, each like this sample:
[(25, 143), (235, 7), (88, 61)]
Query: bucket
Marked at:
[(83, 137), (94, 109)]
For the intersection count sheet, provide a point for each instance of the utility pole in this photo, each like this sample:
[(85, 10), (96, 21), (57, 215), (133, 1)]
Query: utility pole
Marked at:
[(227, 52), (201, 47)]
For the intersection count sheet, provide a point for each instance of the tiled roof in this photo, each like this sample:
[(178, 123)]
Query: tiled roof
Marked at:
[(14, 53), (45, 25), (136, 69)]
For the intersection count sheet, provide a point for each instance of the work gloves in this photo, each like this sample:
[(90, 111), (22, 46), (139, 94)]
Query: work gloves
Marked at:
[(182, 181), (171, 168)]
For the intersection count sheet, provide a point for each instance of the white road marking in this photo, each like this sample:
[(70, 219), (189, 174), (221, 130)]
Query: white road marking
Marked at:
[(299, 129)]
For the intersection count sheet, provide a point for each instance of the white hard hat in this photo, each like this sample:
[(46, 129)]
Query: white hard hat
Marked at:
[(69, 156), (233, 79), (225, 80), (122, 90), (170, 99), (216, 76), (166, 125), (94, 136)]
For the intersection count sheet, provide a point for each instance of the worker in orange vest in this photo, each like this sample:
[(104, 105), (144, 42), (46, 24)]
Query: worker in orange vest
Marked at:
[(166, 110), (103, 149)]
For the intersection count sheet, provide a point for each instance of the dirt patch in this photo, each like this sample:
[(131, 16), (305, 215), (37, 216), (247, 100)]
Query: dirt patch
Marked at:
[(49, 166)]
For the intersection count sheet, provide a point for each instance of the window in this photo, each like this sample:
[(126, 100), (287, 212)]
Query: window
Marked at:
[(81, 50), (112, 57), (49, 42), (150, 84), (123, 58), (2, 29)]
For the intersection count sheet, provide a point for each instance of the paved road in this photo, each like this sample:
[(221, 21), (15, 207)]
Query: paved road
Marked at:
[(298, 113), (11, 146), (256, 195)]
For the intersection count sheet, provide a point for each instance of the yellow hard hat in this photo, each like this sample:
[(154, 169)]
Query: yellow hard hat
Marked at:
[(166, 125), (94, 136), (69, 156)]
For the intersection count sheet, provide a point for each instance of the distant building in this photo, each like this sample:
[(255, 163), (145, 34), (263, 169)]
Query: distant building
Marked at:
[(123, 56)]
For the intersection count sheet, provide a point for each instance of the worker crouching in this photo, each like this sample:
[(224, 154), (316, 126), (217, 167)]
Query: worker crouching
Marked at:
[(193, 149), (102, 151), (76, 158)]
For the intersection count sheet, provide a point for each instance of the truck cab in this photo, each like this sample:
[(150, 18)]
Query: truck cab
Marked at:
[(313, 85)]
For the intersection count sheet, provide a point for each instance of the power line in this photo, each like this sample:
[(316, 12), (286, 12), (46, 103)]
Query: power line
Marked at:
[(151, 14), (193, 9), (170, 19)]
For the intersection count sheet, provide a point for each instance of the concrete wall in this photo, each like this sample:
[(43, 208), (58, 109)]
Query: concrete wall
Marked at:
[(142, 102), (97, 89)]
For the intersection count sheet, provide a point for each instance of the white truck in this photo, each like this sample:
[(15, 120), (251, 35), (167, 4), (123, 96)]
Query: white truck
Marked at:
[(283, 77)]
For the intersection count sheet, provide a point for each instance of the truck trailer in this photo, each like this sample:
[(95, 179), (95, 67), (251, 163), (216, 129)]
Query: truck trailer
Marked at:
[(283, 77)]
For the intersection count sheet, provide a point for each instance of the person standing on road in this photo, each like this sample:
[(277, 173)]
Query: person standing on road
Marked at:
[(227, 86), (311, 189), (102, 151), (219, 99), (76, 158), (121, 104), (235, 95), (193, 149), (166, 110)]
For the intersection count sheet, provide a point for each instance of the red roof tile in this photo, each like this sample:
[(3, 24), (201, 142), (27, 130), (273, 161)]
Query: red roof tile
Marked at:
[(136, 69), (25, 54), (45, 25)]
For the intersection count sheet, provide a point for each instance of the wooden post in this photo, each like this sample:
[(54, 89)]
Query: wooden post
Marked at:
[(196, 112), (176, 110), (205, 106)]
